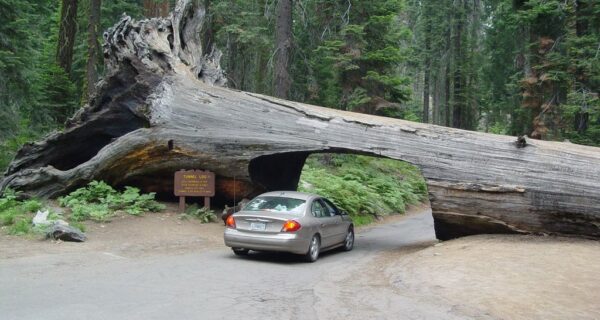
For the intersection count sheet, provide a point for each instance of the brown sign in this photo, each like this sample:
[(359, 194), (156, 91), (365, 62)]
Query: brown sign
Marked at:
[(194, 183)]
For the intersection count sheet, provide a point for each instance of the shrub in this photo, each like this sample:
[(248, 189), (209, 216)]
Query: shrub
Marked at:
[(17, 215), (99, 201), (20, 227), (203, 214), (364, 186)]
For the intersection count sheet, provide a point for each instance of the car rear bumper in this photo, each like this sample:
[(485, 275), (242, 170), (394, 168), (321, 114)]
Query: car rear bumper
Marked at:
[(284, 242)]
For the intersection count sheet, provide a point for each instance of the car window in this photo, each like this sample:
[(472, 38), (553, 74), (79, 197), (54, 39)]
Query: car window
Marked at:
[(277, 204), (318, 210), (330, 207)]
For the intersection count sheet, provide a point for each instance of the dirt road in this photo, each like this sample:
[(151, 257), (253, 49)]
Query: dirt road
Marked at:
[(181, 270)]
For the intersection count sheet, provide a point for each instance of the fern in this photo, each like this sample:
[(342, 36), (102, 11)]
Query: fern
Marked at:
[(99, 201), (364, 186)]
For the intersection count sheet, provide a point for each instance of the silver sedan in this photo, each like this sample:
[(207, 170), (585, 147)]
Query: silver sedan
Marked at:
[(289, 221)]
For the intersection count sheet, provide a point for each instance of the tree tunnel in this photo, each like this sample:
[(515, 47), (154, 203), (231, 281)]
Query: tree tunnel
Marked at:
[(162, 107)]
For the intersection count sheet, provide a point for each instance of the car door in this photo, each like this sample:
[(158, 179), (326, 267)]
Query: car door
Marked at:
[(326, 222), (339, 225)]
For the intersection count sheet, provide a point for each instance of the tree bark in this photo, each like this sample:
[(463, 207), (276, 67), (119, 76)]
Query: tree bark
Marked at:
[(427, 65), (155, 8), (283, 43), (171, 113), (447, 115), (458, 107), (436, 100), (66, 35), (91, 74), (208, 36)]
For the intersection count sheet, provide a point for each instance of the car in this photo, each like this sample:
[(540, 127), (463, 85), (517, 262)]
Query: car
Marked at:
[(289, 221)]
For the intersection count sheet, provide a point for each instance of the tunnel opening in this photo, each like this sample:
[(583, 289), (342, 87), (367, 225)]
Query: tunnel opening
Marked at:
[(367, 186), (278, 171)]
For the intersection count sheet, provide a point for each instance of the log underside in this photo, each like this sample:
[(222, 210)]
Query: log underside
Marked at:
[(161, 109)]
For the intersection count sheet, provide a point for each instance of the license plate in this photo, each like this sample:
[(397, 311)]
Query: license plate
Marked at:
[(258, 226)]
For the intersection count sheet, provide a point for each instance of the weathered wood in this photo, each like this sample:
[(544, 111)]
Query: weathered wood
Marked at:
[(159, 111)]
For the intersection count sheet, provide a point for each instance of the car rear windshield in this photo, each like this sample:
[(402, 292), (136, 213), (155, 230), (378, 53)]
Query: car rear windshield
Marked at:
[(276, 204)]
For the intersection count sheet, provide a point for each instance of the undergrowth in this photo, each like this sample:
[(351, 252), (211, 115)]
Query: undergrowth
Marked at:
[(16, 215), (98, 201), (363, 186), (203, 214)]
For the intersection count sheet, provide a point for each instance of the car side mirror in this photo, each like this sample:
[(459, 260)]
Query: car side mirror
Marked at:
[(344, 213)]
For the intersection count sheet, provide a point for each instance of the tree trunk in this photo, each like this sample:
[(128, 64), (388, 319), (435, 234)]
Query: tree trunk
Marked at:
[(66, 34), (170, 113), (209, 33), (156, 8), (427, 70), (91, 72), (447, 115), (447, 93), (458, 98), (283, 43), (436, 101)]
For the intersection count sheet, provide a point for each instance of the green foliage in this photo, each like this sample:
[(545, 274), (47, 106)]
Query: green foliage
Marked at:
[(364, 186), (20, 227), (205, 215), (98, 201), (351, 63), (16, 215), (78, 225)]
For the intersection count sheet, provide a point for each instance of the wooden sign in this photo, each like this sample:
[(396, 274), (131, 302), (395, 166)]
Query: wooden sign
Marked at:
[(194, 183)]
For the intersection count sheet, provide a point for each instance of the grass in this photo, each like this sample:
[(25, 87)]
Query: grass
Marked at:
[(364, 186)]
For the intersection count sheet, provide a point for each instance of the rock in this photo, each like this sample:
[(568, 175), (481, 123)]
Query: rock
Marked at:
[(41, 218), (65, 233)]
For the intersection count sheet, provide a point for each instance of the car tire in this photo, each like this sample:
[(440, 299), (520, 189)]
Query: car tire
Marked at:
[(349, 240), (240, 251), (313, 249)]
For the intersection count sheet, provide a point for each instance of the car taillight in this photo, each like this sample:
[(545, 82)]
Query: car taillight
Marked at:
[(291, 226), (230, 222)]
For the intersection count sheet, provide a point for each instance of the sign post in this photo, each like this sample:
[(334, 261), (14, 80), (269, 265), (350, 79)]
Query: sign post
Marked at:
[(194, 183)]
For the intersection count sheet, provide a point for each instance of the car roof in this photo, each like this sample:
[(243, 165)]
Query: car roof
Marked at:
[(290, 194)]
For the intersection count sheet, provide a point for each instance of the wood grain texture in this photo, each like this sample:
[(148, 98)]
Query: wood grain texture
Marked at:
[(161, 109)]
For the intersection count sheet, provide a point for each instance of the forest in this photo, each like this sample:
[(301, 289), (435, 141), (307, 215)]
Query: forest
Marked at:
[(516, 67)]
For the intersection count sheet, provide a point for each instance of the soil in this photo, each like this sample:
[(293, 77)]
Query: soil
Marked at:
[(129, 236), (504, 276)]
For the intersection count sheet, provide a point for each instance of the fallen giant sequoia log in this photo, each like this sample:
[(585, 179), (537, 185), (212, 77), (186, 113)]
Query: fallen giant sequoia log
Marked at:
[(162, 108)]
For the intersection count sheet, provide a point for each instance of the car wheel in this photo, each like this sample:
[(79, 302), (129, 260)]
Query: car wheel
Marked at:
[(313, 249), (349, 241), (240, 251)]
